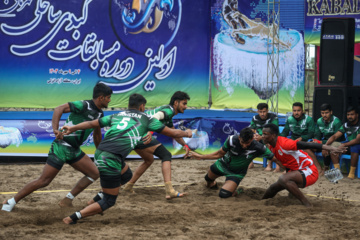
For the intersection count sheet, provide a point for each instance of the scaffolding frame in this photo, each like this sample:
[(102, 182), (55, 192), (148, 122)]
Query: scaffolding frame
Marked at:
[(273, 55)]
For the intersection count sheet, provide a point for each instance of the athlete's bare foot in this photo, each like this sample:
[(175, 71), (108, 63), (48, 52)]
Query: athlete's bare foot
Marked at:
[(175, 194), (277, 170), (67, 220), (212, 185), (268, 168), (66, 202), (251, 165)]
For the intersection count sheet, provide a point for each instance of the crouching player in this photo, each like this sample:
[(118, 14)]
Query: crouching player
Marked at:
[(126, 130), (300, 168), (234, 158)]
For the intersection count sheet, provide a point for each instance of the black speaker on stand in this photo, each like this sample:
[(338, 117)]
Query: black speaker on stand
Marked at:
[(337, 51), (336, 68), (339, 97)]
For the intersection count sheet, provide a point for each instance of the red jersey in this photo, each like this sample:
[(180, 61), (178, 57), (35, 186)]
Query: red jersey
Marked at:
[(287, 153)]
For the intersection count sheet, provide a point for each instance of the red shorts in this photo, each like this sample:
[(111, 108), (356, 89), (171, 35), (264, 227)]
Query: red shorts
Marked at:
[(311, 174)]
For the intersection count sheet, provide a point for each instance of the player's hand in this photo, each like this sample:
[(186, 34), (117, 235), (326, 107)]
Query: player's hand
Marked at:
[(66, 130), (257, 137), (194, 155), (58, 134), (340, 149), (147, 138), (189, 133), (187, 149)]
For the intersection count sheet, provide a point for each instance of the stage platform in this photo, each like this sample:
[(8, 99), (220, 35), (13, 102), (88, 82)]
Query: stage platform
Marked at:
[(29, 133)]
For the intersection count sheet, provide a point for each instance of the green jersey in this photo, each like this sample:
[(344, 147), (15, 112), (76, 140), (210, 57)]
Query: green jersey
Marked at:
[(126, 130), (237, 159), (351, 130), (324, 130), (81, 111), (168, 111), (303, 127), (257, 123)]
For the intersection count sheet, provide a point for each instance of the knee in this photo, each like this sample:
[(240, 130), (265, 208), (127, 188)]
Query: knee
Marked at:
[(282, 180), (225, 193), (93, 176), (148, 162), (107, 201), (126, 176), (162, 153), (43, 182)]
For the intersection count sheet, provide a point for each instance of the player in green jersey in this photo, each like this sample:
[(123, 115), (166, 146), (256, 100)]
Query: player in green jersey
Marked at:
[(164, 114), (326, 126), (257, 123), (352, 130), (234, 158), (66, 149), (126, 131)]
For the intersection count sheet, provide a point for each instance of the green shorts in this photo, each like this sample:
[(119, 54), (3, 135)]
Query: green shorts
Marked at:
[(61, 152), (110, 166), (220, 168)]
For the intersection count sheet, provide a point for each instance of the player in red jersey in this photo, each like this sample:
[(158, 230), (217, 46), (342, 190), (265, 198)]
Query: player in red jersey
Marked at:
[(301, 171)]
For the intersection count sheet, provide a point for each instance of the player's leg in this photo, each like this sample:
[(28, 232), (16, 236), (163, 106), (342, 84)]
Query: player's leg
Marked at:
[(126, 175), (53, 165), (210, 178), (290, 181), (47, 175), (110, 167), (85, 165), (108, 200), (165, 156), (230, 185), (354, 160), (327, 159), (146, 152)]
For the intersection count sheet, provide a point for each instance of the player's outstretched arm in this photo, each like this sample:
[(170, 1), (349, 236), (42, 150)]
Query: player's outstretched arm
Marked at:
[(176, 133), (81, 126), (58, 111), (215, 155)]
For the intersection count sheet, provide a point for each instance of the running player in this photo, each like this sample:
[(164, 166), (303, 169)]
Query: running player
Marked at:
[(66, 149), (126, 130), (164, 114), (301, 171), (234, 158)]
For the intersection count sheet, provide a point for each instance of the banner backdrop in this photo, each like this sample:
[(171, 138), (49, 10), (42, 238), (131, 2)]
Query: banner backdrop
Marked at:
[(33, 137), (239, 55), (316, 10), (54, 52)]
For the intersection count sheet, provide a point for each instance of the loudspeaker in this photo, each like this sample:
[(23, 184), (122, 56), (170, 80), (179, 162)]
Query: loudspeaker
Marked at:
[(339, 97), (337, 51)]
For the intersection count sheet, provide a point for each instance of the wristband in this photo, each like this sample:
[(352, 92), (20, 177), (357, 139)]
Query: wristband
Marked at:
[(187, 147)]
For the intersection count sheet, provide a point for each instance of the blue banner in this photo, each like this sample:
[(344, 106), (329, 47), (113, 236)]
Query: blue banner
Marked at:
[(56, 51)]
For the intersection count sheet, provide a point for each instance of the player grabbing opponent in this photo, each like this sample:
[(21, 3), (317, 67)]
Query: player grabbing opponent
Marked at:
[(66, 149), (126, 130), (164, 114), (234, 158)]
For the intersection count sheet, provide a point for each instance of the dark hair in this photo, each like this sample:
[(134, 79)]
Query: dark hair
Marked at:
[(297, 104), (135, 100), (274, 129), (179, 95), (246, 134), (351, 108), (101, 89), (325, 107), (262, 106)]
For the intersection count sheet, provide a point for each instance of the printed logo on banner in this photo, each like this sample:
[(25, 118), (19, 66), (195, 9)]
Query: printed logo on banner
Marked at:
[(143, 24), (146, 27)]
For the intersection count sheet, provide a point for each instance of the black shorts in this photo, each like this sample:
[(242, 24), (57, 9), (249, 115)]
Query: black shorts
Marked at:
[(153, 142)]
